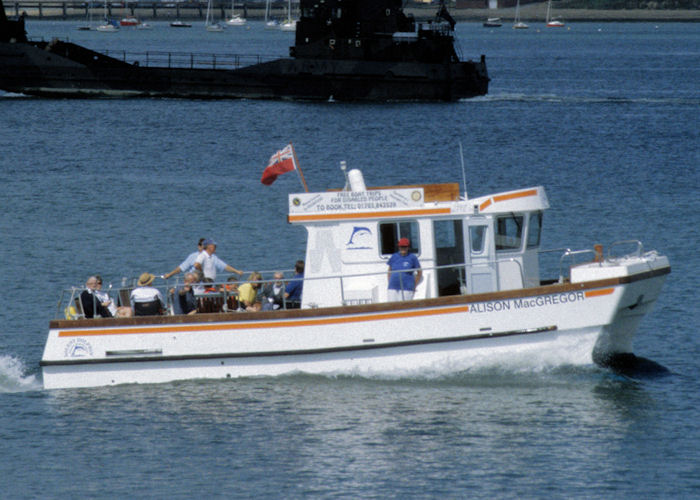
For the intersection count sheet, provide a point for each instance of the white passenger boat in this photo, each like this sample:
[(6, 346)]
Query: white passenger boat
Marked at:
[(481, 298)]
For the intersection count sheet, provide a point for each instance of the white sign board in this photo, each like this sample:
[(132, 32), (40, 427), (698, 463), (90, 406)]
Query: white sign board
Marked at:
[(355, 201)]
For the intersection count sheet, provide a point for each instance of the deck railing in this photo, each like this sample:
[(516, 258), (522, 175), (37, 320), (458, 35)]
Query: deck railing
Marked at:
[(188, 60), (224, 294)]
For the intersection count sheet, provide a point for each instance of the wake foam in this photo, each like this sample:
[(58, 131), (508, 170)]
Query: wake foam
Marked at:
[(565, 352), (14, 377)]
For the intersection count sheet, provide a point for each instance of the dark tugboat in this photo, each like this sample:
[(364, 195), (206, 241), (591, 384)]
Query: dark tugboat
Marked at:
[(346, 50)]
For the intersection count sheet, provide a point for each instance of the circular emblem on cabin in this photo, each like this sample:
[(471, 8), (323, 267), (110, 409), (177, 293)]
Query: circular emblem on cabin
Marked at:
[(296, 202), (415, 195), (78, 348)]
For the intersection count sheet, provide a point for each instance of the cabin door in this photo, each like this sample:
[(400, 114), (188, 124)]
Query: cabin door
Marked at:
[(481, 268), (449, 252)]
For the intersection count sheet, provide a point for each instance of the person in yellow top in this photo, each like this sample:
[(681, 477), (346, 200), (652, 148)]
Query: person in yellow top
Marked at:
[(248, 293)]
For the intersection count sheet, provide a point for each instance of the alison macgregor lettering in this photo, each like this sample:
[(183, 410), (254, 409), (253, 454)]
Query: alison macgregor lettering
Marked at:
[(527, 302)]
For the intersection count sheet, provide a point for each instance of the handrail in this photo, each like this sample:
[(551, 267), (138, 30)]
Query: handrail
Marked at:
[(130, 283), (552, 250), (191, 60), (637, 253), (221, 286), (639, 250), (570, 253)]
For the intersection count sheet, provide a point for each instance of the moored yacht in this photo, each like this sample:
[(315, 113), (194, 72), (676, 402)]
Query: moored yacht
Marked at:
[(552, 22), (480, 295)]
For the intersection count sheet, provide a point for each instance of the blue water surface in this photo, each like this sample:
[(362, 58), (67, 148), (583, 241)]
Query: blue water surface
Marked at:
[(604, 116)]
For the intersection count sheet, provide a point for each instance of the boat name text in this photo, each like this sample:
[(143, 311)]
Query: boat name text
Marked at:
[(527, 302)]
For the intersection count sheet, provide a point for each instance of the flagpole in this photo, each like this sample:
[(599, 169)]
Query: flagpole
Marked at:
[(298, 166)]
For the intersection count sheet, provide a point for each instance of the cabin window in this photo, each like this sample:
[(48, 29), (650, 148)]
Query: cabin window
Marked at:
[(477, 238), (509, 232), (391, 232), (534, 230)]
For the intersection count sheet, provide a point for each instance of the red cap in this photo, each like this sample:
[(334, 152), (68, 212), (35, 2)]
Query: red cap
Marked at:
[(403, 242)]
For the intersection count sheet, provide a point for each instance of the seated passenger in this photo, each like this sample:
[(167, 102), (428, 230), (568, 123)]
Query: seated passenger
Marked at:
[(104, 297), (145, 299), (248, 293), (106, 300), (209, 286), (91, 302), (184, 301), (231, 291), (209, 298), (273, 293), (295, 286)]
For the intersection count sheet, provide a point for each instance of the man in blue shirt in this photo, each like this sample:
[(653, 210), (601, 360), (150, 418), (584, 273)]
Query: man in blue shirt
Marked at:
[(402, 280), (294, 288), (187, 265)]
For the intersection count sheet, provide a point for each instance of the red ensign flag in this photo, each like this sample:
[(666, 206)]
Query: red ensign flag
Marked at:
[(280, 163)]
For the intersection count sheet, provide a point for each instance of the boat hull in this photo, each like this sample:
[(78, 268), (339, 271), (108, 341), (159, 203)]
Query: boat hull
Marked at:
[(60, 69), (421, 359), (556, 324)]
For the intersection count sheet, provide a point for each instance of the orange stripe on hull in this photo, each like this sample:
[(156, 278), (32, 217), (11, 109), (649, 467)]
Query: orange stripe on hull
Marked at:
[(243, 325), (599, 293)]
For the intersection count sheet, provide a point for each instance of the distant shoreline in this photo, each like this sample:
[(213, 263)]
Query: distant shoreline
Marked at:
[(535, 12), (530, 13)]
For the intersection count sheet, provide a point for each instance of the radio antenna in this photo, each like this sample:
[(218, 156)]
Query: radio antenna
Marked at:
[(464, 175)]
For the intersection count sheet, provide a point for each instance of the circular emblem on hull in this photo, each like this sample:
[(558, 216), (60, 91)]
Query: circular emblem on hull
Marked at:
[(78, 348)]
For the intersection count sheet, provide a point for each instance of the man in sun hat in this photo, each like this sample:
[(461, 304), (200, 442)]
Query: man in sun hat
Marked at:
[(145, 299), (209, 263), (404, 273)]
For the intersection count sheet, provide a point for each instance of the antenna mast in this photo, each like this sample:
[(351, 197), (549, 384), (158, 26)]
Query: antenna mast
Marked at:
[(464, 175)]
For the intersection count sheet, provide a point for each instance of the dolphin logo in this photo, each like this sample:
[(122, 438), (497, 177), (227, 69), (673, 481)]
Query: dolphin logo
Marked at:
[(359, 238), (358, 231)]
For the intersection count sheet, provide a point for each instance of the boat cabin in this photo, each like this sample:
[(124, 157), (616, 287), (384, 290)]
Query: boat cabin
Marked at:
[(464, 245)]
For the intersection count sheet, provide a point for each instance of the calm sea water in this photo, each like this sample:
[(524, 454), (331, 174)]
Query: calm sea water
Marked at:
[(605, 116)]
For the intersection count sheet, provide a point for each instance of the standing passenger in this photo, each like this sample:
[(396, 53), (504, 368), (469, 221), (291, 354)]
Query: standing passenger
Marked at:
[(402, 282), (209, 263), (187, 265)]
